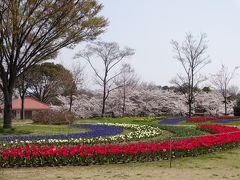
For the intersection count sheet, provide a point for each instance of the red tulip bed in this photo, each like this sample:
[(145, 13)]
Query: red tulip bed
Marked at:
[(209, 118), (226, 138), (215, 128)]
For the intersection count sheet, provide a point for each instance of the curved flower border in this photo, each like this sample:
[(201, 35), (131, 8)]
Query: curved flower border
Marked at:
[(96, 130), (138, 132), (211, 118), (216, 119), (226, 120)]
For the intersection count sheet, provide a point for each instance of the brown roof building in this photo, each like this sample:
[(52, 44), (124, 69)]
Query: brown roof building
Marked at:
[(31, 106)]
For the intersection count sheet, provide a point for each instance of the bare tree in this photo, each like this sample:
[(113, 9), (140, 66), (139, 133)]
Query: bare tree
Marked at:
[(110, 55), (34, 31), (221, 81), (74, 83), (127, 81), (192, 56)]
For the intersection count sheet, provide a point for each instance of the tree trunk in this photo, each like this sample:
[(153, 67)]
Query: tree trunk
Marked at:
[(7, 89), (7, 118), (191, 92), (124, 101), (190, 103), (22, 107), (70, 103), (104, 95), (103, 104), (225, 105), (189, 109)]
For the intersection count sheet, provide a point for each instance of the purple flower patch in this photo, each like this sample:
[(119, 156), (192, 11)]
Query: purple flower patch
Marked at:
[(95, 131), (172, 120), (226, 120)]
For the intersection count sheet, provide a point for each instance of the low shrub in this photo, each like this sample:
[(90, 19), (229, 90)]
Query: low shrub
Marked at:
[(53, 117)]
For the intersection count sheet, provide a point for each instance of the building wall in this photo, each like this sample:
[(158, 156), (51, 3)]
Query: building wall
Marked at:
[(16, 114)]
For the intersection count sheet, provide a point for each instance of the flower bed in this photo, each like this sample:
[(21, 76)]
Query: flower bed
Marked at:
[(138, 132), (85, 155), (172, 120), (226, 120), (209, 118), (95, 131), (215, 128)]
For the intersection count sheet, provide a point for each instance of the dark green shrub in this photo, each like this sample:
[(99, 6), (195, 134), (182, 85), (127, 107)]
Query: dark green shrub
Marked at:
[(236, 108)]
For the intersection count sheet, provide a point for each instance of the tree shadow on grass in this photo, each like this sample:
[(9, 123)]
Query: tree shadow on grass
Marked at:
[(14, 132)]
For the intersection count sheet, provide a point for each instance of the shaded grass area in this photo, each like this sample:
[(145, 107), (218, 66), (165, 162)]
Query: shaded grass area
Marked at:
[(40, 130), (223, 165), (18, 122)]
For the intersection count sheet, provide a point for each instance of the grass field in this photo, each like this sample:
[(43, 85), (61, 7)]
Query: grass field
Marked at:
[(26, 127), (41, 130), (223, 165)]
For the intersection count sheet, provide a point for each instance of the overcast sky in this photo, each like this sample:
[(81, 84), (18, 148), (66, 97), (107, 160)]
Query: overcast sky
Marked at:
[(148, 26)]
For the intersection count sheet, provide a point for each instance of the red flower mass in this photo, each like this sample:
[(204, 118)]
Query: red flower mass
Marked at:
[(209, 118)]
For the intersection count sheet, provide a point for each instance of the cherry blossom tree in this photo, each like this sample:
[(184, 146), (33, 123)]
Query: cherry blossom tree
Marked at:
[(221, 81), (110, 55), (126, 81), (147, 100), (73, 83)]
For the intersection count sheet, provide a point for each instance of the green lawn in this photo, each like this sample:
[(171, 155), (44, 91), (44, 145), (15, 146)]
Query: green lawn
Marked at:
[(40, 130), (182, 131), (18, 122), (26, 127)]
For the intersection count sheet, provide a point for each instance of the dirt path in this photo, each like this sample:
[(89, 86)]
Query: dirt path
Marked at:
[(215, 166)]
